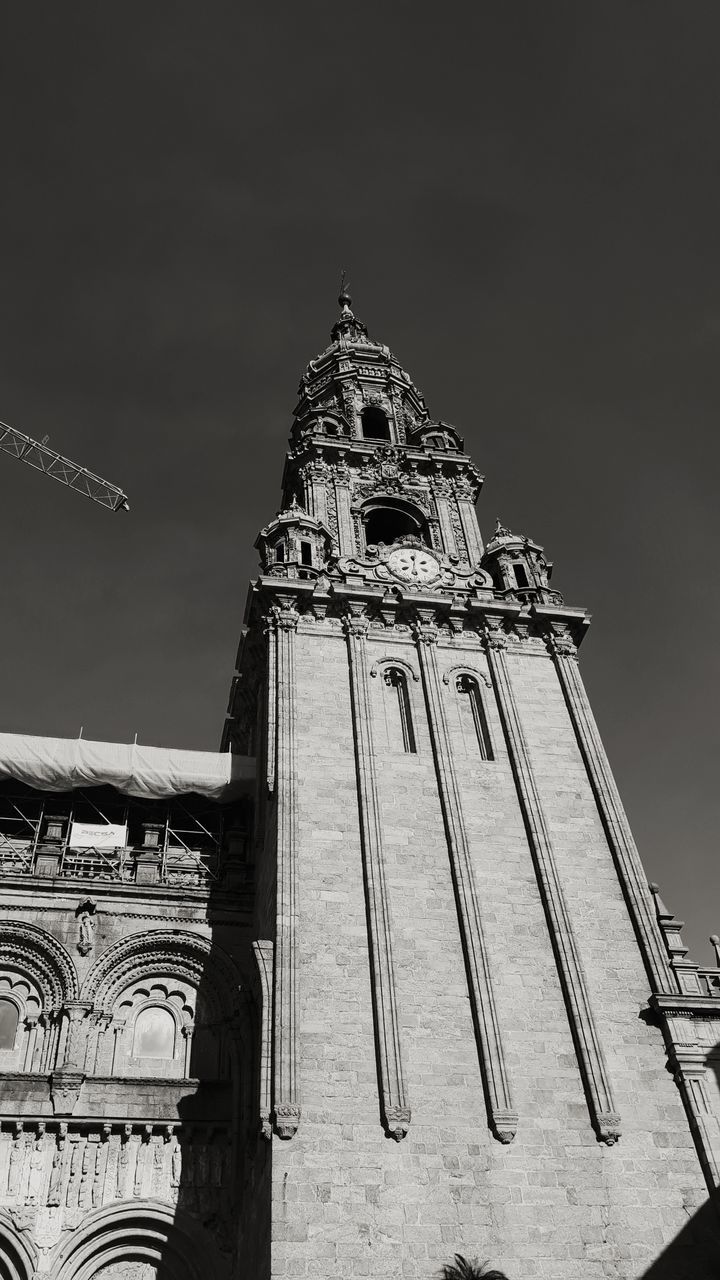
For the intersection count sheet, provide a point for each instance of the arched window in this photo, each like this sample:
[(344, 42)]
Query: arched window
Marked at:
[(375, 425), (389, 520), (401, 734), (8, 1024), (154, 1033), (472, 715)]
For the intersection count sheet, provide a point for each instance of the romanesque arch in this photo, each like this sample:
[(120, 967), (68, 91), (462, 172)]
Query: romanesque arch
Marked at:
[(144, 1240), (18, 1260), (172, 990), (37, 979)]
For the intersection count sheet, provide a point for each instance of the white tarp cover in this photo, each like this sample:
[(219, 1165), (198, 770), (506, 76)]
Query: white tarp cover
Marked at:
[(60, 764)]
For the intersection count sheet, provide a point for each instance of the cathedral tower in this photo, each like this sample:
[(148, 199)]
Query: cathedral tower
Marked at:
[(469, 994)]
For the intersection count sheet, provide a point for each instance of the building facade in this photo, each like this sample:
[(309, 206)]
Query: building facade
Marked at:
[(404, 993)]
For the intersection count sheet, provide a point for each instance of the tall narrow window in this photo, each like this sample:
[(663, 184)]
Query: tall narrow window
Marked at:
[(280, 552), (521, 577), (472, 710), (305, 553), (8, 1024), (399, 711)]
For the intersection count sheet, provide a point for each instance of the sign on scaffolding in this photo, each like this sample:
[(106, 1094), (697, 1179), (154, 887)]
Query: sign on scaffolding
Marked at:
[(106, 835)]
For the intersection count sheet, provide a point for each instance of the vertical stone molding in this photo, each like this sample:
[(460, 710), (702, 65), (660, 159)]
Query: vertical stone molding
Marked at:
[(591, 1059), (263, 951), (272, 698), (394, 1108), (502, 1117), (286, 1102), (346, 536), (612, 814)]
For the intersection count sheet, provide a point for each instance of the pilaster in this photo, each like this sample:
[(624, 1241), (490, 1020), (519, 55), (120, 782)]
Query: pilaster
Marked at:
[(502, 1117), (610, 807), (286, 1099), (394, 1105), (591, 1059)]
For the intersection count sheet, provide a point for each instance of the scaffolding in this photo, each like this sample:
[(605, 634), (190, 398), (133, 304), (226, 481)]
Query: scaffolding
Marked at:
[(182, 842)]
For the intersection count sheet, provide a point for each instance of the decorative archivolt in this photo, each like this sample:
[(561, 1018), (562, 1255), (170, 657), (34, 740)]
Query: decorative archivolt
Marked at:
[(166, 955), (35, 954), (18, 1256), (166, 1239), (461, 670), (389, 661)]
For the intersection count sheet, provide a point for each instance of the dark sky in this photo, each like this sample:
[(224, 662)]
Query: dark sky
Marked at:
[(527, 200)]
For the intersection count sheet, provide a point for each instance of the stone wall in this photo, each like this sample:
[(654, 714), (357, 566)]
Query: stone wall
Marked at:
[(555, 1202)]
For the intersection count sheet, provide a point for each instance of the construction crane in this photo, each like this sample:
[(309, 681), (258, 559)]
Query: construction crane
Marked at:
[(37, 455)]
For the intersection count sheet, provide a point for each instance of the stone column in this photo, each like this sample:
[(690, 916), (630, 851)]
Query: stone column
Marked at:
[(394, 1107), (619, 836), (591, 1059), (502, 1117), (286, 1108)]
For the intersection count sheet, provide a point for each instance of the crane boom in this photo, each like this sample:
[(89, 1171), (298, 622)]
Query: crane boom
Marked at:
[(36, 454)]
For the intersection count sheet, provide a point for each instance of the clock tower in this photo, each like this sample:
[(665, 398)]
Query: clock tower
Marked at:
[(461, 968)]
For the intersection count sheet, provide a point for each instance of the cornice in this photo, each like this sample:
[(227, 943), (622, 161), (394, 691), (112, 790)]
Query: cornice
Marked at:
[(677, 1005), (328, 598)]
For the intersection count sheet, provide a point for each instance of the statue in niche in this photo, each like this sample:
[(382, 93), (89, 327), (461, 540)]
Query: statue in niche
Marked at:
[(56, 1172), (37, 1166), (17, 1159), (158, 1167), (122, 1168), (86, 918), (176, 1168), (71, 1197)]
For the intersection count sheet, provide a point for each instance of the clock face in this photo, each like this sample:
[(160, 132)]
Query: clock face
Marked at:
[(413, 566)]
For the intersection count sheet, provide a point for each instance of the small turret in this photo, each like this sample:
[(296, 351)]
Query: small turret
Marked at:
[(518, 566), (294, 544)]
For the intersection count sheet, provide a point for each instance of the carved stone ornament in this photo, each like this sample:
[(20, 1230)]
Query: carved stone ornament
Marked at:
[(65, 1086), (411, 564), (397, 1120), (287, 1119), (85, 913)]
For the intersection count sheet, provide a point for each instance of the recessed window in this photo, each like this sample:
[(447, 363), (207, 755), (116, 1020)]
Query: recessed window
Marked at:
[(154, 1034), (305, 553), (8, 1024), (400, 726), (521, 578), (280, 553), (375, 425), (389, 521), (472, 715)]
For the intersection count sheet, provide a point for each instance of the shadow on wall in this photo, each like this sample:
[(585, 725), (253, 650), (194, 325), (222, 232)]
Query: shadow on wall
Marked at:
[(695, 1252), (175, 1186)]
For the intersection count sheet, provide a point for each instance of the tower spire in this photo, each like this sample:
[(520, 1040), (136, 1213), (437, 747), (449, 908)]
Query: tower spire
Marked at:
[(347, 327)]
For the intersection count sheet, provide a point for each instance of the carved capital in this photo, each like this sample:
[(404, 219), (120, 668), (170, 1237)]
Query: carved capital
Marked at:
[(355, 626), (563, 645), (427, 633), (287, 1119), (285, 618), (495, 640)]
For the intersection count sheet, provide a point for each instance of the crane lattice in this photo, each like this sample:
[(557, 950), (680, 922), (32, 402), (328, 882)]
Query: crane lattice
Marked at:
[(37, 455)]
